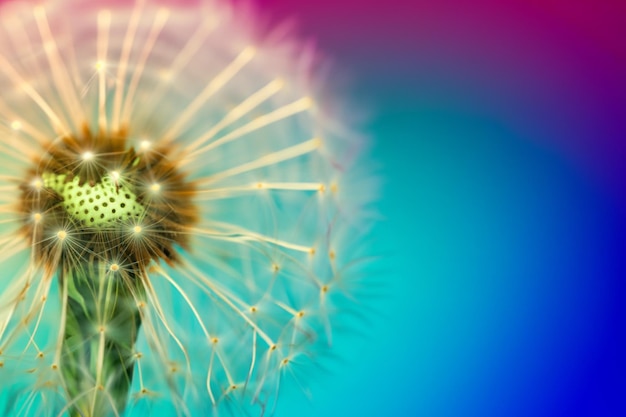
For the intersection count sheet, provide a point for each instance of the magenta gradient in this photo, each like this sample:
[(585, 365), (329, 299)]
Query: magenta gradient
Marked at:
[(552, 70)]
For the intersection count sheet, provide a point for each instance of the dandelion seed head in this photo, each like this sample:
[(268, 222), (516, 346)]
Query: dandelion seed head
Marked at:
[(183, 214), (37, 184), (145, 145), (100, 66)]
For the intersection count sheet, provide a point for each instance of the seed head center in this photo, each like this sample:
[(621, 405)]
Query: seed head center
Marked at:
[(98, 205), (101, 192)]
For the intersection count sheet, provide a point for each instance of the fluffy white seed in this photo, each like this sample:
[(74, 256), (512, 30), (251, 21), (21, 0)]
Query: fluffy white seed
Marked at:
[(279, 186)]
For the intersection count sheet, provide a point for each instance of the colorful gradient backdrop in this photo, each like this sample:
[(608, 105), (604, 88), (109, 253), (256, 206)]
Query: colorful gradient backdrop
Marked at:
[(501, 126)]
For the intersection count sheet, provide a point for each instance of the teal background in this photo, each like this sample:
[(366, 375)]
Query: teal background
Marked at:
[(501, 129)]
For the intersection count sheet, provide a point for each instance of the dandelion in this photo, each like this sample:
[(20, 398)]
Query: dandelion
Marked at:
[(180, 211)]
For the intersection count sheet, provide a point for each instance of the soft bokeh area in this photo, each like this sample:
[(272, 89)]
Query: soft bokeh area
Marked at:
[(501, 127)]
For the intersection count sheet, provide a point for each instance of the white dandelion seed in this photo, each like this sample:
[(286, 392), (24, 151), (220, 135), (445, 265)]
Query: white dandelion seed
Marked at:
[(181, 218)]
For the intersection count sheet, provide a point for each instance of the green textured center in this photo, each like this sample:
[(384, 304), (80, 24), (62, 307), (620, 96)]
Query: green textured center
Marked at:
[(97, 205)]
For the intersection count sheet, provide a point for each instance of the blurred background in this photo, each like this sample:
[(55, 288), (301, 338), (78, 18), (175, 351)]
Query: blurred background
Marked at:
[(501, 128)]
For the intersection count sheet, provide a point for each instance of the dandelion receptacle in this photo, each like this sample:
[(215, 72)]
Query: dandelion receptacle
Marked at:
[(183, 210)]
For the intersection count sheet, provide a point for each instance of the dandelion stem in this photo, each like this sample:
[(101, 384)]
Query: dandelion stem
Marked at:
[(102, 323)]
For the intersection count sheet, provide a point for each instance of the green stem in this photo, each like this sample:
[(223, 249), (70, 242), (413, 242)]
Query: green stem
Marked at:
[(102, 322)]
